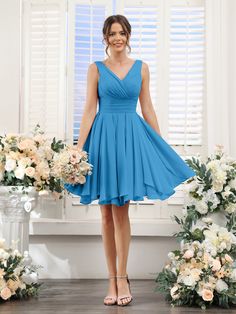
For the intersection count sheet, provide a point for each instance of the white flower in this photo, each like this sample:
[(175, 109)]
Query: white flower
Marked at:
[(4, 254), (171, 255), (189, 281), (221, 285), (16, 252), (10, 165), (19, 173), (226, 192), (231, 208), (201, 207), (191, 186), (233, 275), (29, 278), (173, 291)]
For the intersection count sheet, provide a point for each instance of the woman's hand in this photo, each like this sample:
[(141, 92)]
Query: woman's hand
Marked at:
[(78, 147)]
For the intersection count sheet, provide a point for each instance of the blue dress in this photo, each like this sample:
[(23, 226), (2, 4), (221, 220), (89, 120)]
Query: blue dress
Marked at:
[(130, 159)]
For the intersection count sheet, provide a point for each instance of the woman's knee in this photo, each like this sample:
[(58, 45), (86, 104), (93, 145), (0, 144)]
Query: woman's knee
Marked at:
[(106, 212), (120, 214)]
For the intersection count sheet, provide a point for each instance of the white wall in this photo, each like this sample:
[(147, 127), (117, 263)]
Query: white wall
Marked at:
[(9, 65), (83, 256)]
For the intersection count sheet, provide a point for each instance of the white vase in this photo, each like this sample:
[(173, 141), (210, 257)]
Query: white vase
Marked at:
[(15, 210)]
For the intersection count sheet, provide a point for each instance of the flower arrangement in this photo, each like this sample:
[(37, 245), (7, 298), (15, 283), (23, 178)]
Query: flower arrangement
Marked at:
[(18, 277), (203, 271), (40, 162), (213, 188), (71, 166)]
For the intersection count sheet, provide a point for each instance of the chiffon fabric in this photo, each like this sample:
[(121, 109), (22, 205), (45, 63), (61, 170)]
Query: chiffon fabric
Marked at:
[(130, 159)]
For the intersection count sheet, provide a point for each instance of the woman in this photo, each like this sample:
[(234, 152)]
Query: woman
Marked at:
[(129, 157)]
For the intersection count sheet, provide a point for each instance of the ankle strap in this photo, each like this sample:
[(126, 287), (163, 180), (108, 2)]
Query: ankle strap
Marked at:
[(125, 276), (112, 276)]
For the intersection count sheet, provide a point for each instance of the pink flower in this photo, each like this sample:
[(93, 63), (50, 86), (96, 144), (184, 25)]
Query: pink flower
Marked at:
[(207, 295), (5, 293), (188, 254)]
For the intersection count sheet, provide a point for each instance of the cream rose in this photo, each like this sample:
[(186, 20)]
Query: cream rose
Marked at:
[(30, 171), (188, 254), (207, 294), (216, 265), (5, 293)]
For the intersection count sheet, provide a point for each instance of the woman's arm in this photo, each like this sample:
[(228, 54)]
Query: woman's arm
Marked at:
[(147, 109), (90, 108)]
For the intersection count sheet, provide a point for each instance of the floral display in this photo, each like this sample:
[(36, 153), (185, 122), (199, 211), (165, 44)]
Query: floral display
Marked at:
[(213, 188), (203, 271), (40, 162), (18, 276)]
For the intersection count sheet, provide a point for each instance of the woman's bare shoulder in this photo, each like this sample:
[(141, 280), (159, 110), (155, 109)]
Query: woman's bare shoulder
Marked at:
[(92, 67), (145, 66)]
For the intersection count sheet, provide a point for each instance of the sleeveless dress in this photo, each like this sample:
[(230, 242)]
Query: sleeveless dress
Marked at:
[(130, 159)]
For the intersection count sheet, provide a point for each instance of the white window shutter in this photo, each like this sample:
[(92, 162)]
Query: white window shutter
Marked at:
[(85, 47), (44, 66), (186, 81), (145, 38), (186, 74)]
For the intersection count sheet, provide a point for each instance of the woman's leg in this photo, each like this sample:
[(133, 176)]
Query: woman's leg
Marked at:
[(122, 239), (109, 246)]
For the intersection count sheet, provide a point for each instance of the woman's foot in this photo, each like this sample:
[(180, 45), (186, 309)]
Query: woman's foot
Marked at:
[(111, 298), (124, 293)]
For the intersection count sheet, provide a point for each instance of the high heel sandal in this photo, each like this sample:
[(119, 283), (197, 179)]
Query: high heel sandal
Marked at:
[(110, 297), (124, 296)]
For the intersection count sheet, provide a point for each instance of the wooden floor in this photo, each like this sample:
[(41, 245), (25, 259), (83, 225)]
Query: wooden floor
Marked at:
[(86, 296)]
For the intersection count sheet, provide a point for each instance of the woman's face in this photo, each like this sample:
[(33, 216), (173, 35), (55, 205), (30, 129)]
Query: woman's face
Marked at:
[(117, 38)]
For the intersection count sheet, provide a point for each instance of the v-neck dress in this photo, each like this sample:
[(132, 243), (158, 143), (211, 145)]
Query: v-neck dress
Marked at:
[(130, 159)]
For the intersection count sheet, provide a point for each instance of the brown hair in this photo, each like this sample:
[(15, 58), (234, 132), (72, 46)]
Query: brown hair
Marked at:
[(122, 20)]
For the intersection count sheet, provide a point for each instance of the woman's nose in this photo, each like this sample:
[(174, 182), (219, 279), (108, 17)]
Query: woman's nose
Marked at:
[(117, 36)]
